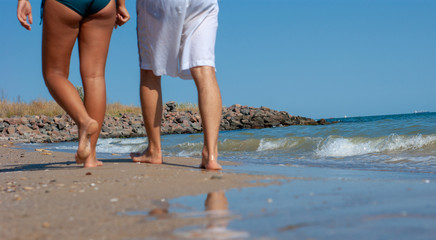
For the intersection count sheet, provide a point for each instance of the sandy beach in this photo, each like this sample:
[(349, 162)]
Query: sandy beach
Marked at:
[(45, 195)]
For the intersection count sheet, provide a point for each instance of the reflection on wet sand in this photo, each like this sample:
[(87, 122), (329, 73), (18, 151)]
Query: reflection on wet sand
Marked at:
[(218, 217)]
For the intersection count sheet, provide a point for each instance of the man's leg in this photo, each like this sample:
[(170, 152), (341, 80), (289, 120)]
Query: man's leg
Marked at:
[(209, 101), (151, 103)]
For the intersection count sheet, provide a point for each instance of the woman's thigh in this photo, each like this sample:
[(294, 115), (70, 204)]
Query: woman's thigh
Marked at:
[(60, 31), (94, 38)]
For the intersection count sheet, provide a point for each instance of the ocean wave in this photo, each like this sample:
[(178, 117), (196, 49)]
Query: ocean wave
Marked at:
[(118, 145), (346, 147)]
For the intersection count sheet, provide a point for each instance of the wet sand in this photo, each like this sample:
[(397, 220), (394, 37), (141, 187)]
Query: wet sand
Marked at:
[(45, 195)]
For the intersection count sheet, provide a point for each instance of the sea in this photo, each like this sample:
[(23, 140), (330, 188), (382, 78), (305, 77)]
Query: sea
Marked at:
[(400, 142)]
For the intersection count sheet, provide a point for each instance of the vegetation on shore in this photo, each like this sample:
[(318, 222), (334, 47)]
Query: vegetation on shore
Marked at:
[(51, 108)]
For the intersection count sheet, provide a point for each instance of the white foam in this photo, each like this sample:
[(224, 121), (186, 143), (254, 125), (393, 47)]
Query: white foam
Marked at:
[(117, 145), (273, 144), (64, 147), (345, 147), (188, 154)]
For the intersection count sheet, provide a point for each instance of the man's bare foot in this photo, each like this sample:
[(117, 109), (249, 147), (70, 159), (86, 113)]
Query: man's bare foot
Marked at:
[(209, 162), (147, 157), (211, 165), (85, 132)]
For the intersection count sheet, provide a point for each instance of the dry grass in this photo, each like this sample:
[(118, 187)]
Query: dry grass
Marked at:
[(36, 107), (187, 107), (51, 108), (114, 109)]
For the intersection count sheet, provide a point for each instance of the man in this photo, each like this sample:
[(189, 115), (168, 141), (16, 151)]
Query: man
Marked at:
[(177, 38)]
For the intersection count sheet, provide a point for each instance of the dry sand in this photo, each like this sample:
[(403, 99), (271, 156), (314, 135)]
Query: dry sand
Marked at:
[(45, 195)]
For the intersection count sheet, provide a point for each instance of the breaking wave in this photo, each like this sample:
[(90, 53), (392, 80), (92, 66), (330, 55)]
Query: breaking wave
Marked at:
[(346, 147)]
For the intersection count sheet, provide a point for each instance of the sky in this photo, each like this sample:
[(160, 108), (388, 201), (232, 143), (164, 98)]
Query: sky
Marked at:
[(312, 58)]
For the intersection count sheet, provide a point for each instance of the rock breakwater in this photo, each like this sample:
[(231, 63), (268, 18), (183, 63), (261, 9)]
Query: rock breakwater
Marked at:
[(44, 129)]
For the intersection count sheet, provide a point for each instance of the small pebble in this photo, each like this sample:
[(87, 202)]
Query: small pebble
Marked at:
[(45, 225), (28, 188), (270, 200), (216, 177), (88, 173), (427, 181), (114, 200)]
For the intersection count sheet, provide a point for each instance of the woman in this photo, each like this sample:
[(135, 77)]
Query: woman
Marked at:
[(91, 23)]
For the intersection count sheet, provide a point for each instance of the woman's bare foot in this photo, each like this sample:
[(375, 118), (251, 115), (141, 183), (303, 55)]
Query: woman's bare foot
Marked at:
[(209, 162), (85, 132), (148, 156)]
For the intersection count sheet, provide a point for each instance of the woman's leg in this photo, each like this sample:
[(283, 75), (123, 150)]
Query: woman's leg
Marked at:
[(94, 37), (151, 103), (209, 101), (60, 31)]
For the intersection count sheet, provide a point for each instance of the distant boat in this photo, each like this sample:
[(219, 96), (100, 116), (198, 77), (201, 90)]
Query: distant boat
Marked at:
[(422, 111)]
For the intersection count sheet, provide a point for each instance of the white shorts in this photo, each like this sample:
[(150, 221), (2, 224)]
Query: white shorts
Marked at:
[(176, 35)]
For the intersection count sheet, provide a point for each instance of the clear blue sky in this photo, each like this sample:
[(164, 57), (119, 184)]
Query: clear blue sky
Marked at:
[(314, 58)]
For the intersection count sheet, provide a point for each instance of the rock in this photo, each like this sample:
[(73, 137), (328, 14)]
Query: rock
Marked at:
[(61, 124), (322, 121), (24, 120), (105, 129), (170, 106), (245, 111), (10, 130), (22, 129), (11, 121), (197, 127), (74, 130)]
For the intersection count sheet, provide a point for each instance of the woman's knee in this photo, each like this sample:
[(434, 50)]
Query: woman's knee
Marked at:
[(52, 76)]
